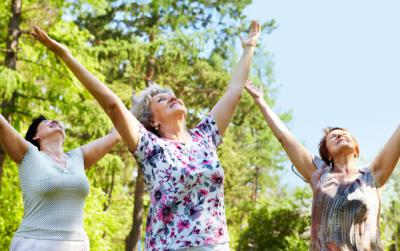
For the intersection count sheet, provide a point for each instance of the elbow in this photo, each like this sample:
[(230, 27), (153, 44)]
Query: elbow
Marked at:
[(113, 106)]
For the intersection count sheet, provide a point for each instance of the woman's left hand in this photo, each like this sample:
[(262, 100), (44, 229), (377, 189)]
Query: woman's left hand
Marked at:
[(252, 38)]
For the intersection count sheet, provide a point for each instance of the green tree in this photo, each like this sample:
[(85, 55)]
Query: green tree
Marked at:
[(278, 225)]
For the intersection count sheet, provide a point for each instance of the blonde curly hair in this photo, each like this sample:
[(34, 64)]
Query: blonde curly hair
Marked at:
[(141, 104)]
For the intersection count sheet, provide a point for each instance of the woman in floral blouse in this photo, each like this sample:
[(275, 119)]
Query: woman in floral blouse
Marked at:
[(180, 166)]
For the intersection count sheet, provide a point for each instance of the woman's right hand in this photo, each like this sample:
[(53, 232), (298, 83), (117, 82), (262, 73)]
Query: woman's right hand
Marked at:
[(41, 36)]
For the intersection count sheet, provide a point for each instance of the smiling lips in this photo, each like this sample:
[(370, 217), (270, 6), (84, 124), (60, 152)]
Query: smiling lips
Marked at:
[(342, 139), (174, 102), (55, 124)]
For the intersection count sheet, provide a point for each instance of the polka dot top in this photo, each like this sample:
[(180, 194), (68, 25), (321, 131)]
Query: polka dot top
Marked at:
[(53, 196)]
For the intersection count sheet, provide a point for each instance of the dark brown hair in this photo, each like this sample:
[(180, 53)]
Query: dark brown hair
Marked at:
[(323, 149), (32, 130)]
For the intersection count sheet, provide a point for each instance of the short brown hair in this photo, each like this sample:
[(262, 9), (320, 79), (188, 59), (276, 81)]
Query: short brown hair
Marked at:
[(323, 149)]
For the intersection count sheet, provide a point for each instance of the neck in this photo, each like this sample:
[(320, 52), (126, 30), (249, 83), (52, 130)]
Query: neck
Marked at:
[(175, 130), (53, 146), (345, 164)]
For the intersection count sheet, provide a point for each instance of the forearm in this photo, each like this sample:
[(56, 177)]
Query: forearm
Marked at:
[(278, 128), (225, 107), (96, 150), (104, 96), (296, 152), (241, 72), (386, 161)]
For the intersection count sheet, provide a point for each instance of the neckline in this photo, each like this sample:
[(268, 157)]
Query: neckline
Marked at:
[(180, 142), (55, 163)]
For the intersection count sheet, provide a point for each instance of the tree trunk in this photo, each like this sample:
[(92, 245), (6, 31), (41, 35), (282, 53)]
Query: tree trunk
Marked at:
[(10, 62), (14, 32), (132, 240), (255, 184)]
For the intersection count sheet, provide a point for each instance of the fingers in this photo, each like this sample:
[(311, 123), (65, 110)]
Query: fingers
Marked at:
[(255, 27)]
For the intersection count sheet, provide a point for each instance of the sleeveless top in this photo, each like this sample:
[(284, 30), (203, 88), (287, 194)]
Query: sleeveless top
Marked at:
[(186, 185), (53, 196), (345, 216)]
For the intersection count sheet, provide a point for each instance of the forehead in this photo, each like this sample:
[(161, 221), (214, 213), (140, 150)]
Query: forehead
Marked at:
[(163, 94)]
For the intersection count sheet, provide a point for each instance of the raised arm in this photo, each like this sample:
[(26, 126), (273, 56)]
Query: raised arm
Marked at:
[(297, 153), (124, 121), (95, 150), (223, 110), (13, 143), (385, 162)]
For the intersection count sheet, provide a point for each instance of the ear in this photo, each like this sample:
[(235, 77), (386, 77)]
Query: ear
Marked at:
[(36, 137), (154, 124)]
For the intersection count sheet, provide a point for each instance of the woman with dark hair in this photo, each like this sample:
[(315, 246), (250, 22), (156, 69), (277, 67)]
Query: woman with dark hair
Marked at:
[(346, 202), (54, 185), (180, 166)]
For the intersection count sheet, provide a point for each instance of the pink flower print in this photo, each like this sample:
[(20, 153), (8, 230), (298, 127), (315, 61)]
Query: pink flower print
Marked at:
[(217, 179), (202, 192), (208, 241), (172, 235), (195, 231), (219, 232), (152, 243), (191, 167), (158, 196), (183, 224), (195, 212), (165, 214)]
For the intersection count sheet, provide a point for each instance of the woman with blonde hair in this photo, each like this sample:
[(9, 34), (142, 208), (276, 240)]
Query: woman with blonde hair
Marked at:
[(181, 167)]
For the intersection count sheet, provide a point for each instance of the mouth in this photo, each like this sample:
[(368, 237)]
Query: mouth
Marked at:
[(55, 124), (174, 103), (342, 139)]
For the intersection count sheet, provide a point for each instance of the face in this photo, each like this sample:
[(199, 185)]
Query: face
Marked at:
[(164, 106), (340, 142), (48, 128)]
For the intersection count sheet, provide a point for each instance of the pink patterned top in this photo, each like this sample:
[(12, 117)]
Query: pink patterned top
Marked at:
[(345, 216), (186, 185)]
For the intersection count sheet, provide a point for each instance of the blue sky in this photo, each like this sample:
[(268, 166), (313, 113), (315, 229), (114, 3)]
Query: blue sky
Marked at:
[(337, 63)]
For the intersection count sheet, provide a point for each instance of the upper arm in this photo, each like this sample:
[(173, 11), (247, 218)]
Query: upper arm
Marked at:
[(95, 150), (224, 109), (13, 143), (299, 156), (385, 162), (126, 124)]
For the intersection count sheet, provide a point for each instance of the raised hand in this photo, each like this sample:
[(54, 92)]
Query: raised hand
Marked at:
[(255, 92), (41, 36), (254, 34)]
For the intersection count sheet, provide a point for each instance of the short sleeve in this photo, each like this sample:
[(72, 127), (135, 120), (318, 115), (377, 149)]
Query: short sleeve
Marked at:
[(77, 156), (208, 128), (28, 167), (321, 168), (147, 153)]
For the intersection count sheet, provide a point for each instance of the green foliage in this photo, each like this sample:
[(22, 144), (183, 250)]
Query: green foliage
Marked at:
[(277, 224), (190, 44), (11, 209)]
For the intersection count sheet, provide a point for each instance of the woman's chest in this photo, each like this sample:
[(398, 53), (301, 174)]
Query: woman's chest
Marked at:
[(188, 165)]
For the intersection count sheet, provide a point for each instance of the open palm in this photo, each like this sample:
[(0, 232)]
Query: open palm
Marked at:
[(254, 34), (41, 36), (256, 93)]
